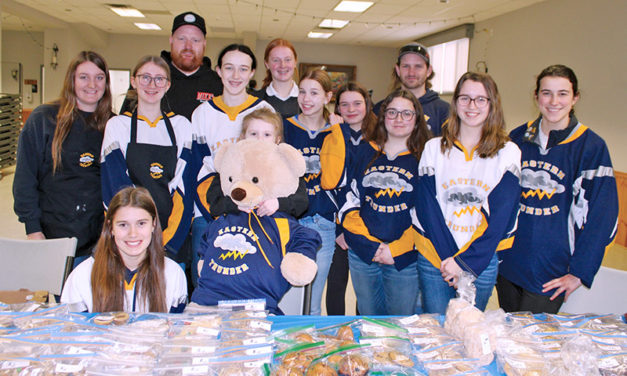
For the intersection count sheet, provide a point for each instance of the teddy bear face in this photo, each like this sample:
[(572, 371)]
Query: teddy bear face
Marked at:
[(252, 171)]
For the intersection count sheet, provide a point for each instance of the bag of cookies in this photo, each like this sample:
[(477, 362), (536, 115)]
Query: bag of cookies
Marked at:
[(451, 350), (466, 367), (613, 364), (296, 359), (104, 366), (369, 327), (390, 354)]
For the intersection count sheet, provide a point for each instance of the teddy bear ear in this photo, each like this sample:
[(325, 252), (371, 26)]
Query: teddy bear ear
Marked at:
[(294, 158), (220, 153)]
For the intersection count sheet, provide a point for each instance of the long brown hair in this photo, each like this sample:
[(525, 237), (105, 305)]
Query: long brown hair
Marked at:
[(68, 108), (131, 94), (278, 42), (107, 275), (322, 77), (419, 135), (493, 135), (370, 120)]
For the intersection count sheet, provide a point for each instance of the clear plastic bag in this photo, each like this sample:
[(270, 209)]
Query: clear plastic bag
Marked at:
[(580, 356), (369, 327)]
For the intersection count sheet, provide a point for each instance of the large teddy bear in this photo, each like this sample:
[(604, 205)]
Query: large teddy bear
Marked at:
[(245, 256)]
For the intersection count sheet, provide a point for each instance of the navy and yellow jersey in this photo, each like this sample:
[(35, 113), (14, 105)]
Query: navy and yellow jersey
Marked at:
[(242, 256), (115, 173), (466, 206), (568, 208), (320, 173), (214, 123), (340, 148), (377, 205), (77, 288)]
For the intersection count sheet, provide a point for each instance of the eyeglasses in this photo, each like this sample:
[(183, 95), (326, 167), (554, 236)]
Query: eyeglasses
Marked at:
[(480, 101), (146, 79), (392, 114)]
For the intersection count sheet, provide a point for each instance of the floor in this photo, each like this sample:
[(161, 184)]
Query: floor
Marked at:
[(616, 257)]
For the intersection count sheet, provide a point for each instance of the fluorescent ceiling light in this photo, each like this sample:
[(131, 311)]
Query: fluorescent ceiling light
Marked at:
[(315, 34), (333, 24), (353, 6), (147, 26), (127, 12)]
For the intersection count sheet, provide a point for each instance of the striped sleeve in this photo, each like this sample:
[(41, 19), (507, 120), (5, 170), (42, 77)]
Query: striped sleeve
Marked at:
[(113, 169), (594, 211)]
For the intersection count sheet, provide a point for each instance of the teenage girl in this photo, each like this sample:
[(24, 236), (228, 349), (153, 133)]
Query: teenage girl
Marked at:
[(307, 132), (261, 124), (279, 88), (569, 204), (129, 270), (56, 188), (151, 149), (218, 121), (467, 196), (376, 215), (354, 105)]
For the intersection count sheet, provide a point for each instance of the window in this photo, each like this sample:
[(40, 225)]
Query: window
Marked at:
[(449, 61)]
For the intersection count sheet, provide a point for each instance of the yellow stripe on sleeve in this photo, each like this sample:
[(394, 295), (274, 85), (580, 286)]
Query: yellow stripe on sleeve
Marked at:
[(175, 217), (355, 224), (284, 232), (202, 189), (332, 158), (426, 248), (404, 244)]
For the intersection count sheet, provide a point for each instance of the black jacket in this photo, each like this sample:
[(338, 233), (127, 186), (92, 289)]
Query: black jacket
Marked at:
[(186, 92)]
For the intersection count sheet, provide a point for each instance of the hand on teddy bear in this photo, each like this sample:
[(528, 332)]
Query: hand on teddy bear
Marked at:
[(268, 207)]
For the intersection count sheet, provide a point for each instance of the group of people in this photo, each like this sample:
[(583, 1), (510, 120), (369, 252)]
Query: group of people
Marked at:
[(406, 195)]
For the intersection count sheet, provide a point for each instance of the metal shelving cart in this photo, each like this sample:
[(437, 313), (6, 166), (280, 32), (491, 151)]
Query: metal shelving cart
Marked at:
[(10, 126)]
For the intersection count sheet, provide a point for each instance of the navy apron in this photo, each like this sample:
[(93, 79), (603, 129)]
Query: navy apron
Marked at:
[(153, 167)]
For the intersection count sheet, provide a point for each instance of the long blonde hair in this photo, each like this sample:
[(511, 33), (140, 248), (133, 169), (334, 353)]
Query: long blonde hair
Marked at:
[(68, 108)]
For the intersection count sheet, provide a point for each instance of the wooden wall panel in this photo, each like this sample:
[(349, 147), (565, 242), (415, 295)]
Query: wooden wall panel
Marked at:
[(621, 182)]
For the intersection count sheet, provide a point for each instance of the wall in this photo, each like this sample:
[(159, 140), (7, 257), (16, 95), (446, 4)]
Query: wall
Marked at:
[(19, 47), (585, 35)]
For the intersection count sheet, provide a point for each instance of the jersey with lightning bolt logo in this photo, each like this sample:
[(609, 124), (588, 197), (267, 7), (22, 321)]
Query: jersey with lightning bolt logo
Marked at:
[(377, 205), (242, 257), (466, 205), (568, 207)]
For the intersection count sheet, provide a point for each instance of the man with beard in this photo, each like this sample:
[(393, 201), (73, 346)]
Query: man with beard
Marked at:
[(413, 72), (193, 81)]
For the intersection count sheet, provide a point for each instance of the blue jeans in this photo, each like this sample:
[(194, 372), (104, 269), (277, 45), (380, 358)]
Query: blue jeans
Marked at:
[(436, 293), (326, 229), (199, 226), (381, 289)]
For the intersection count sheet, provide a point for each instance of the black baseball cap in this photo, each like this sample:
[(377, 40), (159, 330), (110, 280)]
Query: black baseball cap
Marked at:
[(414, 48), (189, 18)]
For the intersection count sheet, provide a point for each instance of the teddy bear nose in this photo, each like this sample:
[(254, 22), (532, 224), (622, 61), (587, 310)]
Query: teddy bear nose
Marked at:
[(238, 194)]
